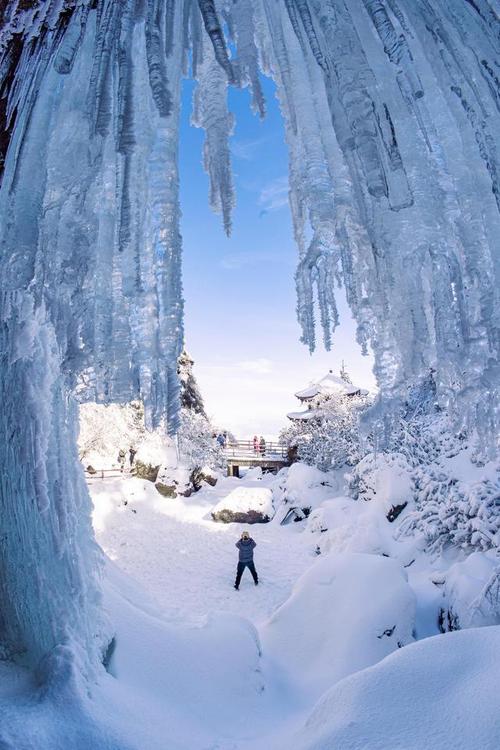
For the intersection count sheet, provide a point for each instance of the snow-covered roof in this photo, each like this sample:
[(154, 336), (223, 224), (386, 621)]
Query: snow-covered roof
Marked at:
[(330, 384), (304, 415), (310, 392)]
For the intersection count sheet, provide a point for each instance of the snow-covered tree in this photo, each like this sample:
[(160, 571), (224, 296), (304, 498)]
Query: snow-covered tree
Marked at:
[(327, 434), (191, 398), (198, 447)]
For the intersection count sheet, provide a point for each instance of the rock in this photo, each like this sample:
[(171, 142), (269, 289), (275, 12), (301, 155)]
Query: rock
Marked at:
[(395, 511), (231, 516), (167, 490), (145, 471), (245, 505), (295, 515), (198, 476)]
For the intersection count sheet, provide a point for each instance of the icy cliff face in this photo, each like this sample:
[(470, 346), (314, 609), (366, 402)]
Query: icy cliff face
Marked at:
[(392, 112)]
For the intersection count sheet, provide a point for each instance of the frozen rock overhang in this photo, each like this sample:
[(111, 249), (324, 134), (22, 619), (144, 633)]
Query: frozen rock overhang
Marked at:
[(391, 110)]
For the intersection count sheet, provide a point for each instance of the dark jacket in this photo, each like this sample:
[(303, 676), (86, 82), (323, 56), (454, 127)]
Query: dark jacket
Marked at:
[(246, 547)]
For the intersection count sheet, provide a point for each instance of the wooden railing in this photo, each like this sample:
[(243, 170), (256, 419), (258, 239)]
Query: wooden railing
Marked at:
[(106, 473), (246, 448)]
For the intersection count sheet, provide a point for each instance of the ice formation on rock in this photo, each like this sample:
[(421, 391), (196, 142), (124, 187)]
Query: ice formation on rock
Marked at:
[(391, 110)]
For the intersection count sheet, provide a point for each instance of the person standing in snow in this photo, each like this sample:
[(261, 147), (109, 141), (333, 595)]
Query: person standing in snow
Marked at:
[(262, 445), (132, 451), (220, 439), (255, 444), (246, 546)]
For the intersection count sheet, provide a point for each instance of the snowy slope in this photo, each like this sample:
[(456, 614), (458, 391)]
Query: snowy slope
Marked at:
[(439, 694)]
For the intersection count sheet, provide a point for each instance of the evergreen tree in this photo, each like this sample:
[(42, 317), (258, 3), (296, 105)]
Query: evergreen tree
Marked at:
[(191, 397)]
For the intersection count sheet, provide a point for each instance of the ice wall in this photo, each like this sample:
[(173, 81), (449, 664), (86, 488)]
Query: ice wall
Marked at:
[(91, 298), (391, 110)]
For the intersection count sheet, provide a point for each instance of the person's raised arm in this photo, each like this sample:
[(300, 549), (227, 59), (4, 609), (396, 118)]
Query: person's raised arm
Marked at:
[(254, 543)]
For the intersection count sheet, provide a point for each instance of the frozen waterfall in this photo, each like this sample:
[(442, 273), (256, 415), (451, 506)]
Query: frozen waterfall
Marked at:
[(392, 114)]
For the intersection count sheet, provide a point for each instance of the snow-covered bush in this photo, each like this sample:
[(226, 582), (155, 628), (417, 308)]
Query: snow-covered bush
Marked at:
[(471, 592), (455, 497), (385, 477)]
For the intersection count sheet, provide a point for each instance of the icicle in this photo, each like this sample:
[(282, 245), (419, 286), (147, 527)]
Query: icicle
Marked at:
[(244, 24), (214, 31), (156, 54), (210, 112)]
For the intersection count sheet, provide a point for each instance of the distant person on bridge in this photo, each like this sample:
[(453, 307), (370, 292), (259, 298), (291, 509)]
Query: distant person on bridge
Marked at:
[(262, 445), (256, 446), (245, 547)]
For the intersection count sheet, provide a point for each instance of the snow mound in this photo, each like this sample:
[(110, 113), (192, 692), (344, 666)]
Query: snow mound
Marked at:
[(384, 478), (245, 505), (346, 613), (472, 591), (346, 525), (440, 693), (306, 487)]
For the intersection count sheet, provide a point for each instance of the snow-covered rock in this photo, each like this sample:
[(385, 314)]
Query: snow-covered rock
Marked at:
[(305, 487), (346, 612), (245, 505)]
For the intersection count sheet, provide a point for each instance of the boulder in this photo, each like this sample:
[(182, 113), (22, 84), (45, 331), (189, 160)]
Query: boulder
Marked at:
[(144, 470), (245, 505), (167, 490), (200, 475)]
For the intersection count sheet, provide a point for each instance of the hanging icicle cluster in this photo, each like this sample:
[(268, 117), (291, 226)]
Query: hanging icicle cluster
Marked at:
[(392, 113)]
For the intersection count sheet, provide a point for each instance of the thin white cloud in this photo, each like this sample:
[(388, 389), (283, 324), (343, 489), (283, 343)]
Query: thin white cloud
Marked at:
[(247, 150), (261, 366), (274, 195)]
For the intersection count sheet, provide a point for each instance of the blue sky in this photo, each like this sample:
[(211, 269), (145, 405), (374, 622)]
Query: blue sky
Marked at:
[(239, 293)]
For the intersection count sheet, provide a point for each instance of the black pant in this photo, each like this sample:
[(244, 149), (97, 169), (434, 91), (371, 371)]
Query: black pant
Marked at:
[(241, 568)]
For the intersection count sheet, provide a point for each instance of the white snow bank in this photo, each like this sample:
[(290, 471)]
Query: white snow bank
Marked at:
[(440, 693), (246, 500), (346, 612)]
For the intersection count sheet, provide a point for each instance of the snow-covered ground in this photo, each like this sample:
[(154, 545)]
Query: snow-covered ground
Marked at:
[(331, 650), (185, 560)]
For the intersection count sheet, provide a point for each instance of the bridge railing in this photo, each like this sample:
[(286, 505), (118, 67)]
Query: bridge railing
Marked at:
[(246, 448)]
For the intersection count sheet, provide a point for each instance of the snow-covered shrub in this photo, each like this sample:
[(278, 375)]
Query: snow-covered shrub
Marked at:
[(456, 496), (385, 478), (471, 592)]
